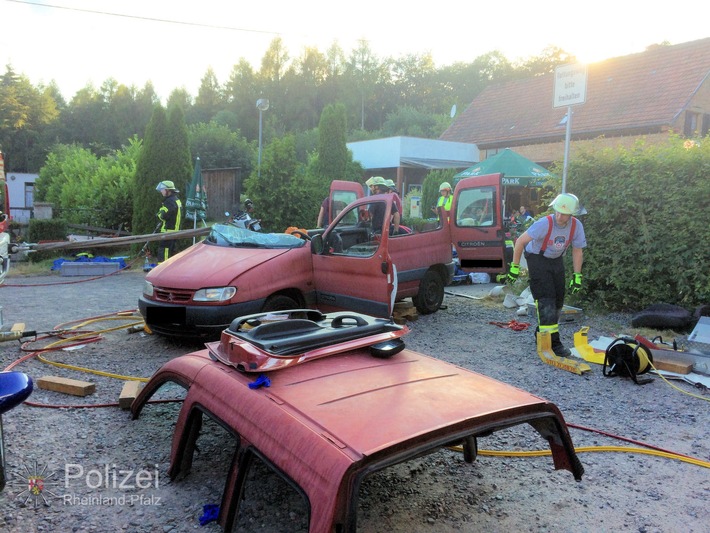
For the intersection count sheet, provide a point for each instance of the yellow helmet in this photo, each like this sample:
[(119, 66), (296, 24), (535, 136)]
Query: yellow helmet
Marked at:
[(567, 204), (166, 184), (376, 180)]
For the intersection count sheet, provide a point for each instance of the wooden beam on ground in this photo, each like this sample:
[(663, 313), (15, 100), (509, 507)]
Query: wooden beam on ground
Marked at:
[(66, 385), (129, 393)]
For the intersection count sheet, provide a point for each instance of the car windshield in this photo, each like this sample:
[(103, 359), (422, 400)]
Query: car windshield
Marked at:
[(232, 236)]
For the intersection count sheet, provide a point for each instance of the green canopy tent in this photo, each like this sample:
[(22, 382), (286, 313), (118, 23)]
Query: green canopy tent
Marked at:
[(518, 171), (196, 204)]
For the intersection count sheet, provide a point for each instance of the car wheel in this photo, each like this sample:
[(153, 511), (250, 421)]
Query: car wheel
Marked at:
[(431, 293), (279, 302)]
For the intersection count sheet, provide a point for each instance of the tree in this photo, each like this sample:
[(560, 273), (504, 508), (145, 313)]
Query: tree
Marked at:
[(333, 153), (241, 93), (152, 167), (25, 113), (413, 122), (219, 147), (277, 193), (89, 190), (545, 63), (209, 99), (180, 165)]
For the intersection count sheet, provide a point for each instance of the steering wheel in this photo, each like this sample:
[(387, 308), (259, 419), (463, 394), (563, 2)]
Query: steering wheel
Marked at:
[(301, 234)]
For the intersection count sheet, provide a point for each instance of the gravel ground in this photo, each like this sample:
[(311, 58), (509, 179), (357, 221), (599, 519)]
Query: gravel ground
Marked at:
[(437, 493)]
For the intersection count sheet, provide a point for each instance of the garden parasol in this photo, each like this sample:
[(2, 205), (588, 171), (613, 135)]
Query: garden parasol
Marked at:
[(516, 169)]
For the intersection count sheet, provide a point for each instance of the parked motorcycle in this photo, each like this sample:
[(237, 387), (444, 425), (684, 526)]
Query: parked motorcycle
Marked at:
[(242, 218)]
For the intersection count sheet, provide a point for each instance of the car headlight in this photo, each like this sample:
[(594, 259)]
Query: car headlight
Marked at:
[(147, 289), (216, 294)]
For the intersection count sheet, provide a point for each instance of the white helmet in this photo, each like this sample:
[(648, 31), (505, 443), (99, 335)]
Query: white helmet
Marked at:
[(567, 204)]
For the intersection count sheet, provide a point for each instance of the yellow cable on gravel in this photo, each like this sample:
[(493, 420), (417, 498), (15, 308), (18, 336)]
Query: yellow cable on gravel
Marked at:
[(677, 388), (57, 344), (588, 449)]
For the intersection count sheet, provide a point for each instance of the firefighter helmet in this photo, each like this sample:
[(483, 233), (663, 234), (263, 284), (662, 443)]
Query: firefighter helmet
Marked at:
[(567, 204)]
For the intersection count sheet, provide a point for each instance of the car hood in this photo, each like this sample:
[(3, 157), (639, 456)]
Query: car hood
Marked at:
[(204, 265)]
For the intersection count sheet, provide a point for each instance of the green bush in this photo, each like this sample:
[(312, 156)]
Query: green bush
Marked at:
[(46, 230), (647, 225)]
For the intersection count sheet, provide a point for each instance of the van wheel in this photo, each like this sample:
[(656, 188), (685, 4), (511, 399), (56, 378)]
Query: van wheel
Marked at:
[(279, 302), (431, 293)]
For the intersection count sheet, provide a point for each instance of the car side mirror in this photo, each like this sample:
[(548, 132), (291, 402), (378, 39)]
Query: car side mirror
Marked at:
[(317, 244)]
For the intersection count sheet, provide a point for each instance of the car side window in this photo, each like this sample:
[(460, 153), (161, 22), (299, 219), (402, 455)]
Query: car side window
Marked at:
[(476, 207), (266, 489), (358, 232)]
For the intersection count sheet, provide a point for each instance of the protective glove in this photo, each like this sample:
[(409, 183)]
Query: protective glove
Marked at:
[(513, 273), (575, 284)]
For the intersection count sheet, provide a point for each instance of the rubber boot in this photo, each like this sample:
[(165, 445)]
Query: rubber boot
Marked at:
[(560, 349)]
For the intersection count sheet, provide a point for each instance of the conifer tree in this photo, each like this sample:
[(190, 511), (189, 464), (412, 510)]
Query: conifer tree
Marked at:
[(165, 156), (333, 154)]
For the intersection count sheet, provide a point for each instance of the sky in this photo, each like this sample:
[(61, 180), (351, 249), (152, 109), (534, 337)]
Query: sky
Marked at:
[(172, 43)]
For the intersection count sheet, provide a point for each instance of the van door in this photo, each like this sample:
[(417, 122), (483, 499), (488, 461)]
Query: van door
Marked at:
[(477, 226), (354, 270), (342, 194)]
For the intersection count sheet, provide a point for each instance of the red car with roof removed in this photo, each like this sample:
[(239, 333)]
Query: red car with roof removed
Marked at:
[(352, 264), (349, 265)]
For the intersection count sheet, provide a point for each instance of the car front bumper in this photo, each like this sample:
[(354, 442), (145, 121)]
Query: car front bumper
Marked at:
[(193, 320)]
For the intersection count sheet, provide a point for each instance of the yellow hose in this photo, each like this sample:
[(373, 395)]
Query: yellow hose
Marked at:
[(588, 449), (67, 340)]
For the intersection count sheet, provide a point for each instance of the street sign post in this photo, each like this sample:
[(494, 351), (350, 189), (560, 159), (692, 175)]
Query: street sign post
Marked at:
[(570, 89)]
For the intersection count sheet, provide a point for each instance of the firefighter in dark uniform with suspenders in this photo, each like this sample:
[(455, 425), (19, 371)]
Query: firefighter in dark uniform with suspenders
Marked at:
[(544, 244)]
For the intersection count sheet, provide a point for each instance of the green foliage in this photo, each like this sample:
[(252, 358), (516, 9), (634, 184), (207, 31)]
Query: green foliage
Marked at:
[(47, 230), (414, 123), (648, 224), (332, 152), (219, 147), (165, 156), (89, 190), (430, 188), (280, 194), (55, 229), (407, 202)]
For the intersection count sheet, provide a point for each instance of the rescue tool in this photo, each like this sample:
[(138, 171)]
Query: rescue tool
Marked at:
[(544, 350), (581, 344)]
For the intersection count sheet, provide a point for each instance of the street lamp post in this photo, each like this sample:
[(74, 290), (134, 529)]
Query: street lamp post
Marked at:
[(262, 104)]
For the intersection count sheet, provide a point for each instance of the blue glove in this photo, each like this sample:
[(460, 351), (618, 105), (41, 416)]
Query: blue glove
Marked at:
[(210, 513), (575, 284)]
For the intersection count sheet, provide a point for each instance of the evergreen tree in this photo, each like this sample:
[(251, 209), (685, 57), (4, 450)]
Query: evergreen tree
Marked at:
[(332, 138), (279, 194), (180, 165), (153, 167)]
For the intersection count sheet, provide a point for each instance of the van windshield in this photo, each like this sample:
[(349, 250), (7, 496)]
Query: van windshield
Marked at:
[(232, 236)]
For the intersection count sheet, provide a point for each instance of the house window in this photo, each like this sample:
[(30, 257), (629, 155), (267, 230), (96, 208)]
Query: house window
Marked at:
[(29, 194), (691, 124), (706, 125)]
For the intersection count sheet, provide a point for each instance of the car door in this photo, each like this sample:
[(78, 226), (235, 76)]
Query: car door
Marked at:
[(477, 226), (342, 194), (352, 269)]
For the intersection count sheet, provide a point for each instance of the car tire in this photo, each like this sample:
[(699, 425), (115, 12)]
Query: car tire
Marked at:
[(431, 293), (279, 302)]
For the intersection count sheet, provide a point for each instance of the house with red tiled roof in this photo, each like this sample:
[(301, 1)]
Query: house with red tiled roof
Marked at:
[(644, 95)]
